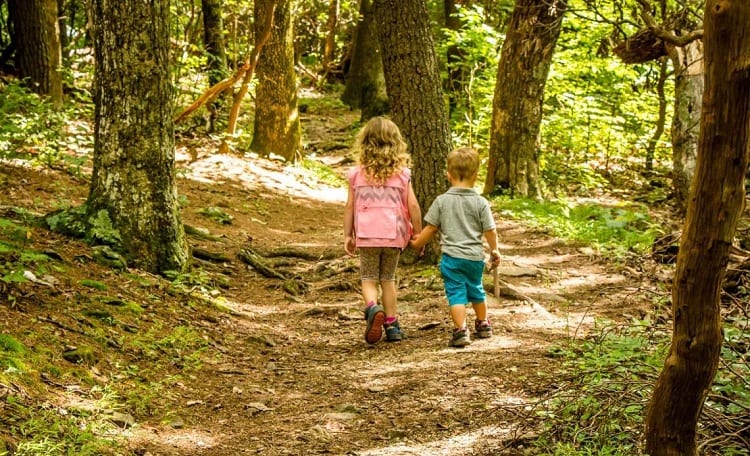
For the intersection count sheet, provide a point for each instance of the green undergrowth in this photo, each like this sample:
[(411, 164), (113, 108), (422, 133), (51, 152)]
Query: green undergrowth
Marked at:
[(597, 400), (616, 231), (34, 130), (76, 372)]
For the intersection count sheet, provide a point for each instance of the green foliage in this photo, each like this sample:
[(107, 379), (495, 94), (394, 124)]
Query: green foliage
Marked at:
[(323, 172), (101, 231), (216, 214), (478, 44), (33, 130), (96, 229), (598, 113), (45, 432), (615, 231), (601, 392), (15, 259), (11, 352)]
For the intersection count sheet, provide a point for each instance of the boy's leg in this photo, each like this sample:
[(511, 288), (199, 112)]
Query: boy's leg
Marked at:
[(477, 297), (458, 315), (480, 310), (482, 325)]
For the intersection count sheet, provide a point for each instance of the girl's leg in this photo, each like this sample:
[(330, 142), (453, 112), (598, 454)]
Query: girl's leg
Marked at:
[(388, 264), (389, 298), (370, 291)]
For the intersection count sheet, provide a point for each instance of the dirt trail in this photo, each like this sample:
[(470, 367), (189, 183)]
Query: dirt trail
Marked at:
[(289, 374), (295, 377)]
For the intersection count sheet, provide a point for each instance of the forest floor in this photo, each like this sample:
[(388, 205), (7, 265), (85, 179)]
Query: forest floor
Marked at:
[(229, 362)]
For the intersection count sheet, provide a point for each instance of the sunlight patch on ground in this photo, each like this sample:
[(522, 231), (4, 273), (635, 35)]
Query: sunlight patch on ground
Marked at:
[(528, 315), (583, 279), (255, 173), (184, 441), (452, 446)]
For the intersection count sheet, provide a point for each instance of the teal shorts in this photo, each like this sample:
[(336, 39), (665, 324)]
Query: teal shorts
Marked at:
[(462, 280)]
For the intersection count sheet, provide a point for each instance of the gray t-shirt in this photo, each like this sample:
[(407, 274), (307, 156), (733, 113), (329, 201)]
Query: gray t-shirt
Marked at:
[(462, 215)]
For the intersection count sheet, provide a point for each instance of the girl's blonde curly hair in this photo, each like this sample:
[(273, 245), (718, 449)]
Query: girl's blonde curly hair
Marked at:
[(382, 150)]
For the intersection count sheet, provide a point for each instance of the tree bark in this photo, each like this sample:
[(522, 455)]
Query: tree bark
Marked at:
[(661, 120), (277, 125), (37, 41), (329, 48), (688, 91), (133, 178), (517, 106), (365, 81), (456, 73), (413, 81), (213, 40), (714, 208)]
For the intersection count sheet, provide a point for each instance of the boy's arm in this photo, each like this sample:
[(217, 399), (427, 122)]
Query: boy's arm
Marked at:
[(349, 243), (428, 232), (491, 236), (415, 212)]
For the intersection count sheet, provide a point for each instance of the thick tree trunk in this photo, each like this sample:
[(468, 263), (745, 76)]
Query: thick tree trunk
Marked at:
[(413, 80), (134, 177), (37, 40), (277, 126), (688, 91), (365, 81), (517, 107), (714, 208), (213, 40)]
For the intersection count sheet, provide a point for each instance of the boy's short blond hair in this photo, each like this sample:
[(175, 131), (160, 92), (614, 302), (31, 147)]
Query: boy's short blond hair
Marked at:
[(463, 163)]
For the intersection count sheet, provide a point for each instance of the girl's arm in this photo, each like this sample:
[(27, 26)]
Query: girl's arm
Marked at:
[(424, 237), (415, 212), (349, 241)]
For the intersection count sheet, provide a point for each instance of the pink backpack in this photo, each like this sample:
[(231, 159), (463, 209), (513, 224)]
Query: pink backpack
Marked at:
[(381, 214)]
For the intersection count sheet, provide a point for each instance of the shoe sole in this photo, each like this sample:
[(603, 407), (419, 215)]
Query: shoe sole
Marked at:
[(483, 335), (374, 330), (460, 343)]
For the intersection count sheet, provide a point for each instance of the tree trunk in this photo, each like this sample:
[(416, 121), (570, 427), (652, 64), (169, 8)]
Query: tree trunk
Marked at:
[(37, 40), (213, 39), (134, 177), (710, 224), (329, 47), (365, 81), (517, 106), (688, 91), (456, 73), (661, 119), (277, 126), (413, 80)]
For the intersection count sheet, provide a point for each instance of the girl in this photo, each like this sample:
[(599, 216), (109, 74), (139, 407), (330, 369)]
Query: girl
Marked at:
[(381, 215)]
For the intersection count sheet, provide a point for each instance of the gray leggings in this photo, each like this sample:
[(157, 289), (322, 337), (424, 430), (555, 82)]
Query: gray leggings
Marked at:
[(378, 263)]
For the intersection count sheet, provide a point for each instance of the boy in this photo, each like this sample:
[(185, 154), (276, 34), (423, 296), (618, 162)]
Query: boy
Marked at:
[(462, 217)]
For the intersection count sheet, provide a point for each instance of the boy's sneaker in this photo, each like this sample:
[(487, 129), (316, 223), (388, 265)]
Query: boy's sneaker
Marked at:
[(482, 329), (375, 316), (393, 332), (460, 338)]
